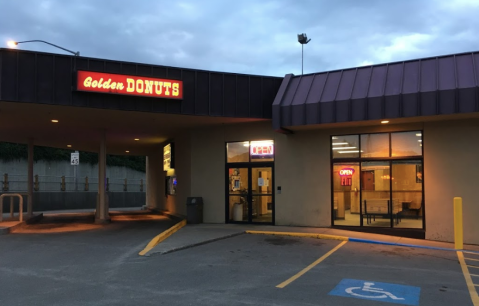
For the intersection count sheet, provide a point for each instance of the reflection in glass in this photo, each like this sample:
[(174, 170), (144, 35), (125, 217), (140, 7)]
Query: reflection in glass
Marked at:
[(346, 194), (238, 152), (407, 190), (406, 144), (377, 209), (375, 145), (346, 146)]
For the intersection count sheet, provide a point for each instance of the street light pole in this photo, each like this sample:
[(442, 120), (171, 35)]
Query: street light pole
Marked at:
[(303, 39), (14, 43)]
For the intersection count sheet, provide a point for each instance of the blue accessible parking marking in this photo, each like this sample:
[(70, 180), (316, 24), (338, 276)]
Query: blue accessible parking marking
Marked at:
[(376, 291)]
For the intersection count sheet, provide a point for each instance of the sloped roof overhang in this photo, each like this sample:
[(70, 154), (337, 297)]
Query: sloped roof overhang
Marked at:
[(424, 87)]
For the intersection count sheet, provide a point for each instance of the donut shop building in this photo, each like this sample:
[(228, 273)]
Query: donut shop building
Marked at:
[(382, 148)]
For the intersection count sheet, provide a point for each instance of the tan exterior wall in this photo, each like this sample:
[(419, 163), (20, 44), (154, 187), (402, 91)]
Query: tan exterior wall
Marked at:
[(451, 168), (208, 162), (176, 204), (302, 169)]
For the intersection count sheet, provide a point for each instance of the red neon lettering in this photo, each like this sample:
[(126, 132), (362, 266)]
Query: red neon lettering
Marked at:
[(262, 150)]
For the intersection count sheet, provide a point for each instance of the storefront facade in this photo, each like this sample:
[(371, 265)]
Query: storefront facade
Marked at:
[(312, 150)]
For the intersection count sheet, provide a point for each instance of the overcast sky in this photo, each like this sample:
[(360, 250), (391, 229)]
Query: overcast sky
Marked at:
[(246, 36)]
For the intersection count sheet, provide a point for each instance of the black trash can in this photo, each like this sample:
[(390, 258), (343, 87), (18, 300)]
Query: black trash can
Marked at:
[(194, 210)]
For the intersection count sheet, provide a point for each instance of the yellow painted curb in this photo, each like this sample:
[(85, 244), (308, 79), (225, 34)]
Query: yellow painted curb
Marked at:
[(308, 235), (155, 241)]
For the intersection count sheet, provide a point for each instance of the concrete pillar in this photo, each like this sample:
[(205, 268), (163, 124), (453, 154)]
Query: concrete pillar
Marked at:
[(102, 215), (155, 181), (30, 178)]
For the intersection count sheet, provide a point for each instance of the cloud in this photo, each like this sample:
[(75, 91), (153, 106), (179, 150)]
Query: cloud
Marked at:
[(248, 36)]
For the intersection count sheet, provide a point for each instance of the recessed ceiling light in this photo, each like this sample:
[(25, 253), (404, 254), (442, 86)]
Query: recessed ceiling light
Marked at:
[(385, 121), (127, 151), (418, 134), (343, 148), (69, 146), (54, 120), (136, 139)]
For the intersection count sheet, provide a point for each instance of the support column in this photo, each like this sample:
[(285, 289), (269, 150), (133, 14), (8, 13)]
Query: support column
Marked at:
[(155, 181), (30, 178), (102, 215)]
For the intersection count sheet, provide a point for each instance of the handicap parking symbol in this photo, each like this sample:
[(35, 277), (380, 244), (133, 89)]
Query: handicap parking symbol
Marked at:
[(376, 291)]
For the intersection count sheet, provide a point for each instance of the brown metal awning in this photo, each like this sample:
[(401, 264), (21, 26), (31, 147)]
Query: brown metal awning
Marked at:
[(423, 87)]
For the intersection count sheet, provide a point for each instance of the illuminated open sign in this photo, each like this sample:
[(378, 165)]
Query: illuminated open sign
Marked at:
[(261, 149), (346, 176), (346, 172)]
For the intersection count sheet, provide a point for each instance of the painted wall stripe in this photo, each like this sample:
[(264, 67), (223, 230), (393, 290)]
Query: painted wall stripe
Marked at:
[(467, 276), (299, 274)]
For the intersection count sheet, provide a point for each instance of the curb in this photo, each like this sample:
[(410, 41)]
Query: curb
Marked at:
[(155, 241), (174, 217), (292, 234), (344, 238), (198, 243), (33, 219), (409, 245)]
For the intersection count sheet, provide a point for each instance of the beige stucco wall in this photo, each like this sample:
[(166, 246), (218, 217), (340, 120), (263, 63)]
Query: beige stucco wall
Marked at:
[(302, 169), (200, 165), (451, 167), (208, 162), (176, 204)]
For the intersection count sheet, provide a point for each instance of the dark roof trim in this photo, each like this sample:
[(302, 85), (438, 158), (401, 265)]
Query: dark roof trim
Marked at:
[(424, 87)]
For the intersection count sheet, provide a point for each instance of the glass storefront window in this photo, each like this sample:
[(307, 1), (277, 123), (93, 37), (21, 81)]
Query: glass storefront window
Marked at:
[(262, 151), (238, 152), (375, 145), (346, 146), (406, 144), (377, 209), (407, 191), (382, 186), (346, 194)]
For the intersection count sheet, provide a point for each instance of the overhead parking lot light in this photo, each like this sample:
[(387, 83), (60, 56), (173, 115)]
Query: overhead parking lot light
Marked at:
[(13, 44)]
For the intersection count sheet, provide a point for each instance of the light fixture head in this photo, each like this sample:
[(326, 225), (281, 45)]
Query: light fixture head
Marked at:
[(137, 139), (303, 38), (55, 120), (69, 146), (127, 151), (385, 121), (12, 44)]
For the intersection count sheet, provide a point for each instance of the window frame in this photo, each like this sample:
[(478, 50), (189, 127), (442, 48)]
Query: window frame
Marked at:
[(389, 159)]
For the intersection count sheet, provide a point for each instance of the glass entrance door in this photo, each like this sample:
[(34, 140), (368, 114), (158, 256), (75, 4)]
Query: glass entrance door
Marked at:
[(238, 195), (262, 194), (250, 197)]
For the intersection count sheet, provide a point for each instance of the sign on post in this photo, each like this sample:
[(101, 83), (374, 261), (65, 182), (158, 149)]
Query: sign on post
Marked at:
[(75, 159)]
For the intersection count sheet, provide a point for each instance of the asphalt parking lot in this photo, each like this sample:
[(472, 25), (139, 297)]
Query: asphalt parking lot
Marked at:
[(102, 267)]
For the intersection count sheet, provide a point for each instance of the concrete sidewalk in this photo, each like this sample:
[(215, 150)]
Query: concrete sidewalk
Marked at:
[(197, 234)]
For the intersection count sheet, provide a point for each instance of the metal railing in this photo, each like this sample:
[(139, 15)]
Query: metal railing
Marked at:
[(11, 183)]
